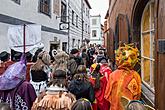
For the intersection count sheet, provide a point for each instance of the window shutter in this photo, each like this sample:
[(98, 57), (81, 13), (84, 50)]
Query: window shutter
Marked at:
[(122, 31)]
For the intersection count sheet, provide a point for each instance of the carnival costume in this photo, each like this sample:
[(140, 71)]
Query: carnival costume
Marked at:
[(14, 90), (100, 103), (56, 97), (124, 81)]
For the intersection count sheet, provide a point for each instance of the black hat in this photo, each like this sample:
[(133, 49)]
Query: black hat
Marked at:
[(17, 56), (74, 51), (103, 60), (28, 56), (4, 56)]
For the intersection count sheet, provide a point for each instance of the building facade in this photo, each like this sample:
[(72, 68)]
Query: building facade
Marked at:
[(61, 21), (79, 12), (141, 22), (41, 12), (96, 30)]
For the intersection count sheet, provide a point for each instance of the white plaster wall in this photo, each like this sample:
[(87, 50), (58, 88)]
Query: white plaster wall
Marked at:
[(28, 11), (75, 32), (86, 21), (3, 37)]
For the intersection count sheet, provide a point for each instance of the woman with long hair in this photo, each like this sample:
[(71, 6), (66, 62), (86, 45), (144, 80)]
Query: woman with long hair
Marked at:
[(99, 83), (56, 96), (81, 87), (40, 72)]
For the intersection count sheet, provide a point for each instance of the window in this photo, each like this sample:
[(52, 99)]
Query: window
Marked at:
[(45, 6), (56, 7), (76, 20), (63, 12), (72, 17), (86, 28), (73, 43), (17, 1), (83, 7), (94, 21), (147, 45), (83, 25), (94, 32), (86, 12), (64, 46), (78, 44)]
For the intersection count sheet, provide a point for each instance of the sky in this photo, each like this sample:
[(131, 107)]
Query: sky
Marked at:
[(99, 7)]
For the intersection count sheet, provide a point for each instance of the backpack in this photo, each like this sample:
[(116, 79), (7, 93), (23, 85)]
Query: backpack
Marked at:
[(72, 67)]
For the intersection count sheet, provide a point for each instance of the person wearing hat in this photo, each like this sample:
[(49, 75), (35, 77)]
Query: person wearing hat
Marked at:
[(17, 56), (76, 54), (56, 96), (124, 81), (14, 89), (105, 69), (74, 61), (5, 61)]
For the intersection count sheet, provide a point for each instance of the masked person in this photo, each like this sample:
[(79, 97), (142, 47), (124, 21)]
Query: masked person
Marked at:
[(124, 81), (14, 89)]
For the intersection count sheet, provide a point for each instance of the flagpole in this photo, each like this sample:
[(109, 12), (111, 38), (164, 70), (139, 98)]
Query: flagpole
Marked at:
[(24, 35)]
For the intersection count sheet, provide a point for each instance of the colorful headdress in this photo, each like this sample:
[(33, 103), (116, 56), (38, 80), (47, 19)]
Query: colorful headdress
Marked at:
[(13, 75), (127, 56)]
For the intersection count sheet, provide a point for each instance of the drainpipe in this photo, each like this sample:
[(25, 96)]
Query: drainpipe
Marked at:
[(82, 10)]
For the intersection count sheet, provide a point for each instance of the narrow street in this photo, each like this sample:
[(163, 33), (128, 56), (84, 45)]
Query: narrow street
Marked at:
[(82, 55)]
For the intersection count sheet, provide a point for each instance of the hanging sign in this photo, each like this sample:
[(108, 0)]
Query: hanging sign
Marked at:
[(64, 26)]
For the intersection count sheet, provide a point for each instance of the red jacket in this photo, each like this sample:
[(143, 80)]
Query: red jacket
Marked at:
[(100, 102)]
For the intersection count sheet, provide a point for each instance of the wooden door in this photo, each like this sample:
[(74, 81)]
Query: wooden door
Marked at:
[(160, 76)]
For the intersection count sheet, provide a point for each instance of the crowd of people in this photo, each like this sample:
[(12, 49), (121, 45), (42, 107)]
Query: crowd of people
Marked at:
[(81, 80)]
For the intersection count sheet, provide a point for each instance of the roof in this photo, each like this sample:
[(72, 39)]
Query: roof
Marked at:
[(88, 4)]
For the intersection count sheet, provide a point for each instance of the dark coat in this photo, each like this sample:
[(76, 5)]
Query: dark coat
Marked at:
[(82, 89)]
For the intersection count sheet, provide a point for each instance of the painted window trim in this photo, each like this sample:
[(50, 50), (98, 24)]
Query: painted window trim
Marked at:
[(151, 59)]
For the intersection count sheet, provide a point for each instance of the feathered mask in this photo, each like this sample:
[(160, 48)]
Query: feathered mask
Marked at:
[(127, 56)]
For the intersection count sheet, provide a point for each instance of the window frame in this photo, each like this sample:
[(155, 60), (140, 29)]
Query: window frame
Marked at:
[(63, 12), (94, 23), (73, 13), (64, 46), (73, 43), (93, 33), (43, 5), (151, 59), (76, 20)]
